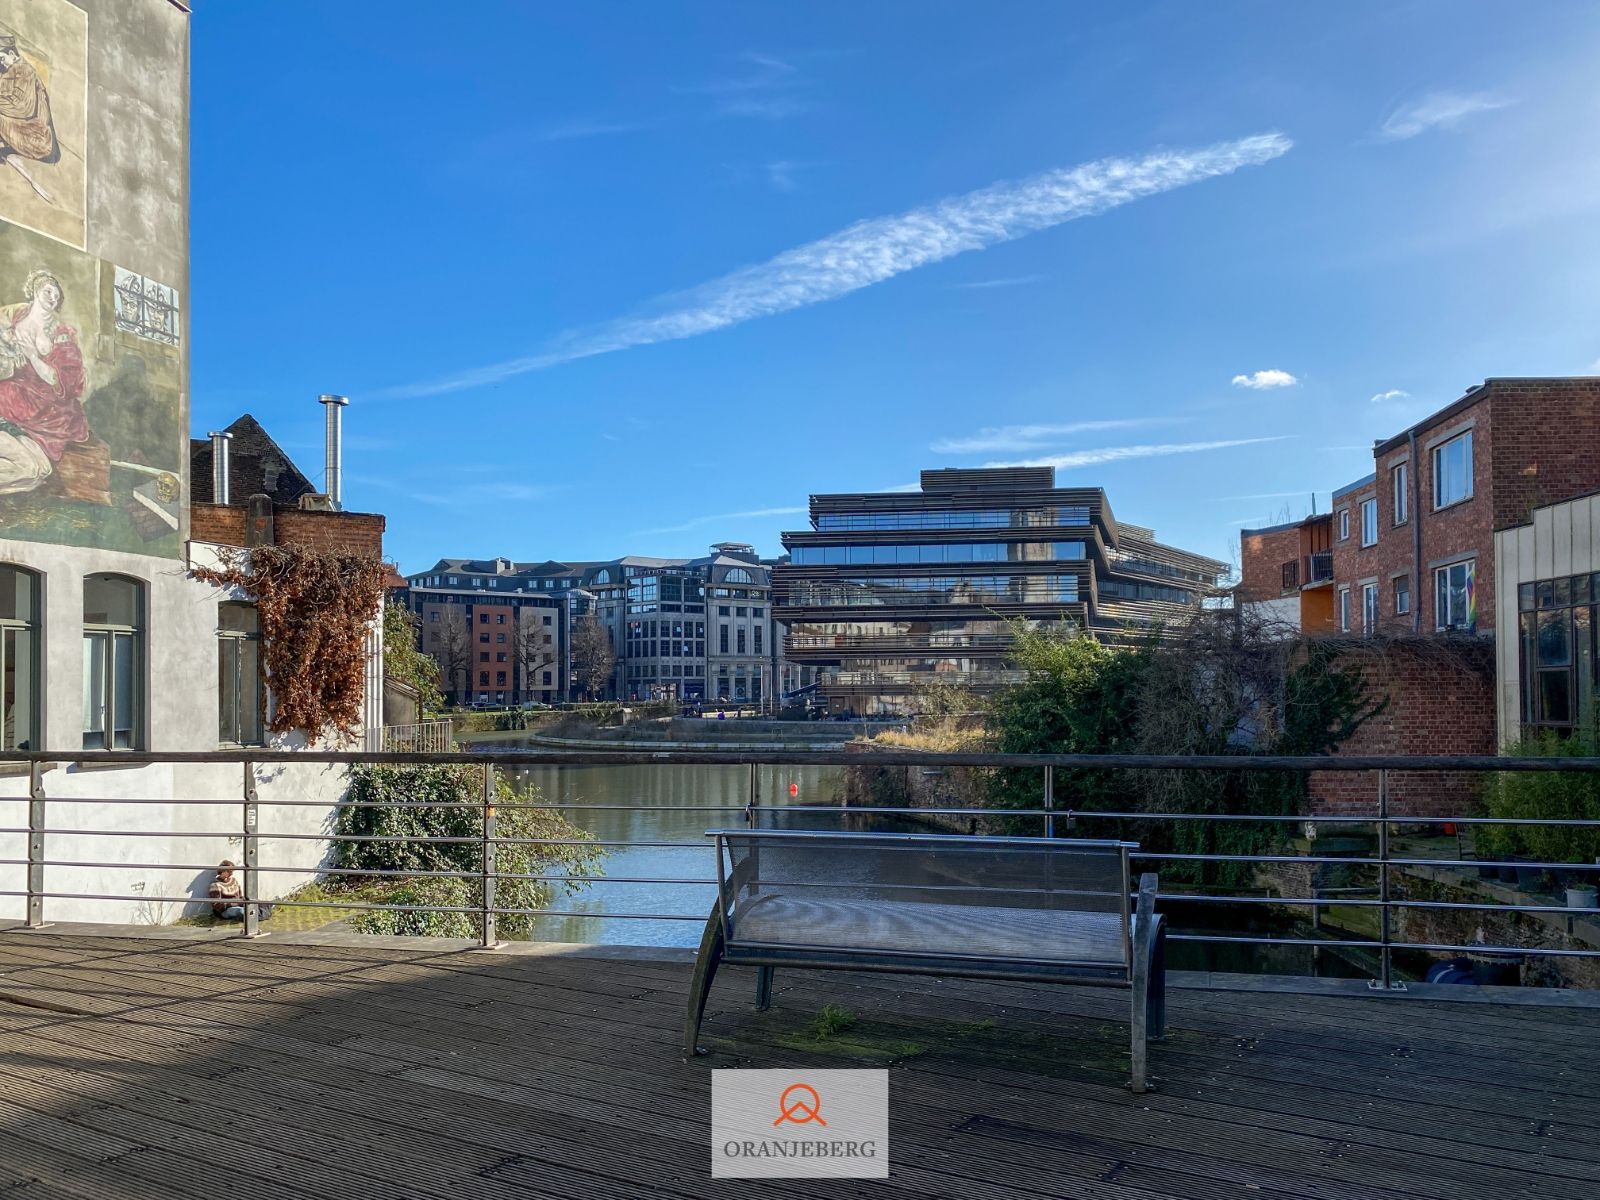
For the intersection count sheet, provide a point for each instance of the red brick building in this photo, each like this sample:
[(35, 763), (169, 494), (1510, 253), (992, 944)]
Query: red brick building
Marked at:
[(1286, 574)]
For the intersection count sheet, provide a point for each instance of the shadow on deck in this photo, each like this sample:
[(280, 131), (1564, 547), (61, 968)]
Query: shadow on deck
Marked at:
[(294, 1067)]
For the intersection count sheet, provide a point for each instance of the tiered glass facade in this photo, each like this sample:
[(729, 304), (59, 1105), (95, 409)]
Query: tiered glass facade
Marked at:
[(961, 566)]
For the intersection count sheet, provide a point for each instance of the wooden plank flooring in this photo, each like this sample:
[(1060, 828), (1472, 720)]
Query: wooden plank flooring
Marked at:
[(281, 1068)]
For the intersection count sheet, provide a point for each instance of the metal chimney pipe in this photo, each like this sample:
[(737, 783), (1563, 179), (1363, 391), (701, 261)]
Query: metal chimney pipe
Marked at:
[(219, 467), (333, 482)]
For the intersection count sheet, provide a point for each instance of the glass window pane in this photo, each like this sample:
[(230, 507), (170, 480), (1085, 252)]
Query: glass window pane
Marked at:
[(111, 600), (1525, 596), (238, 618), (94, 691), (124, 707), (1555, 697), (227, 688), (17, 688), (16, 594), (1555, 638)]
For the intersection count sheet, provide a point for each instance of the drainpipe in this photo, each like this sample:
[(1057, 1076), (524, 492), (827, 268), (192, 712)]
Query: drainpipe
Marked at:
[(333, 461), (1416, 531), (219, 466)]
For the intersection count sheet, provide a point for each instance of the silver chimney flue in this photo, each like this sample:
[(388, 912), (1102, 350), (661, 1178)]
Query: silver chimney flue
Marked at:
[(333, 482), (219, 467)]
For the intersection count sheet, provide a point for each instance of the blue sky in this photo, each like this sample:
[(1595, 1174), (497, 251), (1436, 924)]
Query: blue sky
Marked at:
[(633, 278)]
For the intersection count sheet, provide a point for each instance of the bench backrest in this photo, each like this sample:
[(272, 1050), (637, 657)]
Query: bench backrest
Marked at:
[(1054, 900)]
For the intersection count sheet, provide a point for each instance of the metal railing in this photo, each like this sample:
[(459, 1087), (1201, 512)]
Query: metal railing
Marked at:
[(1053, 817), (424, 737)]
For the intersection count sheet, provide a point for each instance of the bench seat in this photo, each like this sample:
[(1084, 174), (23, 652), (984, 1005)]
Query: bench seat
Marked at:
[(869, 926)]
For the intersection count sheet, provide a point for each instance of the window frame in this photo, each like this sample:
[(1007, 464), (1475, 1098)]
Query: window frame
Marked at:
[(1402, 587), (30, 628), (1400, 493), (1469, 587), (110, 635), (1342, 601), (1369, 609), (1344, 524), (1464, 438), (225, 636), (1368, 509)]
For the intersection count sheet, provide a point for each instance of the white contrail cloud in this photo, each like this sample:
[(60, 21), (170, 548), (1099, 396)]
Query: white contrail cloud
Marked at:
[(1437, 110), (1021, 438), (880, 248), (1108, 454)]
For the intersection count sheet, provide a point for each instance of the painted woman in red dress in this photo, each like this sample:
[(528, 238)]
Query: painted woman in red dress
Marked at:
[(41, 386)]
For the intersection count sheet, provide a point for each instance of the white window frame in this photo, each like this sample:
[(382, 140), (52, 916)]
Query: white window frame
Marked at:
[(1398, 611), (1344, 610), (1441, 591), (29, 632), (1369, 609), (1440, 500), (1369, 508), (235, 637), (1399, 480), (1344, 524)]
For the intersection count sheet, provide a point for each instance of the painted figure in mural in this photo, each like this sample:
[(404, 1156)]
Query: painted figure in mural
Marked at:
[(26, 130), (42, 380)]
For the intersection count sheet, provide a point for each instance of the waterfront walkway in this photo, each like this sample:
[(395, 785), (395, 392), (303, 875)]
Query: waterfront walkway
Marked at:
[(194, 1066)]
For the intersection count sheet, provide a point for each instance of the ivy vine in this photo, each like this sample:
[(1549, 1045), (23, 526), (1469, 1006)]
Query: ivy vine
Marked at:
[(316, 610)]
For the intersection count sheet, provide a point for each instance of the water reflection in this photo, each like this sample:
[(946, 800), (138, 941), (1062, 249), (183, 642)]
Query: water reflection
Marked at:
[(675, 804)]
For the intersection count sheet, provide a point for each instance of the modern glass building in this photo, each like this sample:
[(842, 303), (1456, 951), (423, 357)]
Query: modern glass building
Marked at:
[(890, 591)]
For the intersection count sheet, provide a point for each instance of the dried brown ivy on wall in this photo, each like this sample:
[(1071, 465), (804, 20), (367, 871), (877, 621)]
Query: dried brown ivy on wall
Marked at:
[(316, 610)]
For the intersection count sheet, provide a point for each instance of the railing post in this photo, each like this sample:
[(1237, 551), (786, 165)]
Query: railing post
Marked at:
[(36, 828), (1385, 981), (752, 802), (490, 932), (252, 853), (1049, 801)]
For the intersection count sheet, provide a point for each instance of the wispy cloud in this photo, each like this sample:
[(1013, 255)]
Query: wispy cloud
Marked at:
[(1261, 380), (469, 495), (782, 173), (572, 130), (1264, 496), (766, 87), (1110, 454), (1438, 110), (874, 250), (999, 439), (748, 514), (1391, 394), (1003, 282)]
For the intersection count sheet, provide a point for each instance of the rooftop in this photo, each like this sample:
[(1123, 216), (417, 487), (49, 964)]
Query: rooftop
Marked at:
[(331, 1065)]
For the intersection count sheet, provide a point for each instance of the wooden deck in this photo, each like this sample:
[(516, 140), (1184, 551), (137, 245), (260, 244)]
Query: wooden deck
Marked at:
[(156, 1069)]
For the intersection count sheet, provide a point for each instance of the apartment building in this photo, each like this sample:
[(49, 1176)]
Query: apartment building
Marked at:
[(889, 592), (1286, 575)]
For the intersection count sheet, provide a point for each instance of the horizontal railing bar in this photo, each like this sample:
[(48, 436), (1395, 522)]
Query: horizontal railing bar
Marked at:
[(1336, 944), (1392, 902), (839, 758)]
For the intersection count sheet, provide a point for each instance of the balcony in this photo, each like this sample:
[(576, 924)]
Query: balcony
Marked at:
[(1318, 569)]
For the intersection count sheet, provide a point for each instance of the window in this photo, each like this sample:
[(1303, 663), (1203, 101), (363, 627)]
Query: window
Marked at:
[(433, 617), (547, 619), (19, 662), (113, 662), (1291, 575), (1344, 524), (499, 679), (1344, 610), (499, 618), (483, 618), (483, 679), (723, 610), (722, 640), (741, 639), (738, 575), (483, 656), (740, 611), (1454, 604), (1402, 595), (1369, 609), (500, 656), (1560, 660), (241, 698), (1369, 522), (1402, 492), (547, 679), (500, 638), (484, 638), (757, 633), (1452, 471)]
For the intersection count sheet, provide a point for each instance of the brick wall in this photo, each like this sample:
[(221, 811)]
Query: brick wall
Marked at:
[(1440, 701), (1262, 553), (1547, 444), (330, 532)]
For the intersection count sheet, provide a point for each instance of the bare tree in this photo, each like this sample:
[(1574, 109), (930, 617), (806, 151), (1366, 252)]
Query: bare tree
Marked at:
[(454, 657), (593, 656), (535, 650)]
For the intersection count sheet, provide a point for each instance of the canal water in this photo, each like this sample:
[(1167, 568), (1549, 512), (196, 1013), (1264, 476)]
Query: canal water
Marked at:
[(676, 804)]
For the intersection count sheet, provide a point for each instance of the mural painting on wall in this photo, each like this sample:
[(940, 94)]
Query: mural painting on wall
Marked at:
[(90, 373), (43, 116), (90, 353)]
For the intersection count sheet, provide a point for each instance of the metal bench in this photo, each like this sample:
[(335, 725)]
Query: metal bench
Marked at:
[(1044, 909)]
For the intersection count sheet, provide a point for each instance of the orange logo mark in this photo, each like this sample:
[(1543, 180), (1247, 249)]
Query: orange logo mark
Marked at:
[(803, 1108)]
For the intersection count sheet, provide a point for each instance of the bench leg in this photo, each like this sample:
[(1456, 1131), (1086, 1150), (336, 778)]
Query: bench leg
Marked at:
[(763, 988), (1143, 955), (705, 970), (1156, 1023)]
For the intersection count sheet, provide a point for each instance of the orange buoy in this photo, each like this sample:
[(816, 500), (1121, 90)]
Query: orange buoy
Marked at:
[(794, 789)]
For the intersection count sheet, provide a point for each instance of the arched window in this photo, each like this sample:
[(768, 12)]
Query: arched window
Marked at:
[(603, 575), (113, 663), (19, 658), (241, 700), (738, 575)]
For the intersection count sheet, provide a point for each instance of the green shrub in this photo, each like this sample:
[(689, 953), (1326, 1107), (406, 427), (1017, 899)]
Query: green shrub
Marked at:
[(422, 847), (1547, 795)]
